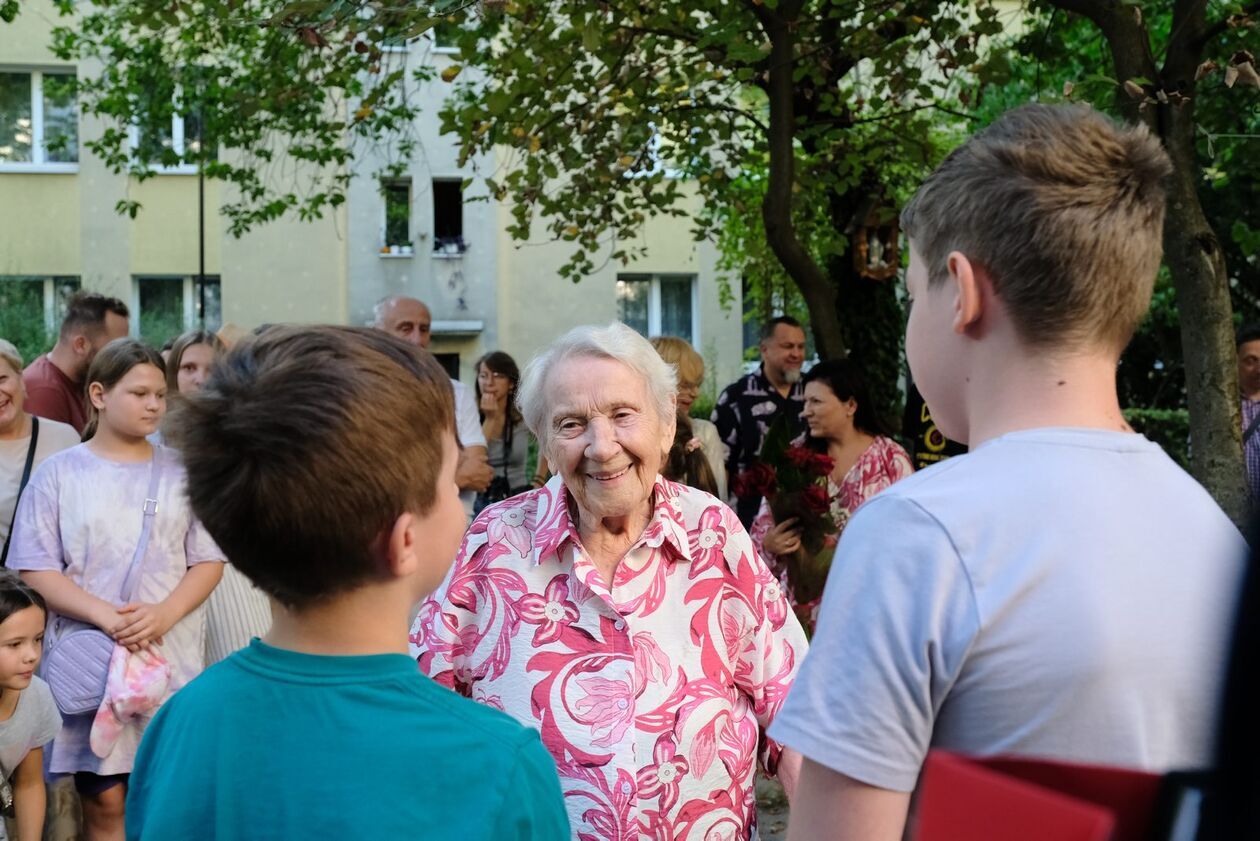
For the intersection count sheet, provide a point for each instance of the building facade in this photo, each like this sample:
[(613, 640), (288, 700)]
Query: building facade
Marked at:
[(418, 235)]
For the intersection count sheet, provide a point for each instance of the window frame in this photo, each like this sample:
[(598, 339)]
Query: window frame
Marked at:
[(405, 249), (188, 295), (53, 312), (38, 164), (654, 300), (179, 145)]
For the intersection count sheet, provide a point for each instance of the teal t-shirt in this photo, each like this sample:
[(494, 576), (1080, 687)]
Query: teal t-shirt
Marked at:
[(271, 743)]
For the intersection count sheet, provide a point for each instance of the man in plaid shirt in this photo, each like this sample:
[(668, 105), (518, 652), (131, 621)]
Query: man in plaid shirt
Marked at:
[(1249, 385), (746, 408)]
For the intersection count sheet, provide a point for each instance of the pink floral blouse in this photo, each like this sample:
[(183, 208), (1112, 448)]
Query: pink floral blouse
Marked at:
[(652, 697)]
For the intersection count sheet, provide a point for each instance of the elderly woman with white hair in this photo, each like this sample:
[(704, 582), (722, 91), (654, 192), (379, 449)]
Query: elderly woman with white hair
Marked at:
[(625, 616), (25, 440)]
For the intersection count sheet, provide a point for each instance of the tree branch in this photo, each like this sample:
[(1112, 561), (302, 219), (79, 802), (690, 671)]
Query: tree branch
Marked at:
[(1214, 30), (1130, 47)]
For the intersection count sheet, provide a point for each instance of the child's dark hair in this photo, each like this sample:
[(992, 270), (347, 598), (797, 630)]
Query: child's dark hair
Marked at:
[(846, 382), (691, 467), (16, 595), (111, 364), (305, 445)]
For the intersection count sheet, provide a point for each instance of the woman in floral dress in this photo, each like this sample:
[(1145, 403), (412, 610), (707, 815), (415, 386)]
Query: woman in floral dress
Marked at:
[(625, 616), (842, 424)]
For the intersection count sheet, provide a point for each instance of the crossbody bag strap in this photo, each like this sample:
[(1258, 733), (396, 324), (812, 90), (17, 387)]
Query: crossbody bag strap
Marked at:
[(26, 477), (1251, 429), (150, 510)]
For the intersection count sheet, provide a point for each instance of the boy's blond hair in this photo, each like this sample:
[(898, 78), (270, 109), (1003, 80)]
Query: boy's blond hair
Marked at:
[(1064, 209)]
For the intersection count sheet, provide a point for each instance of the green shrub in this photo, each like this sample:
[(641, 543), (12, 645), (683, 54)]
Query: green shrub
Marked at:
[(22, 319), (1170, 428)]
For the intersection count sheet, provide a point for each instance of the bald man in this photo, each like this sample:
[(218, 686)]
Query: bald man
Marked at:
[(411, 321)]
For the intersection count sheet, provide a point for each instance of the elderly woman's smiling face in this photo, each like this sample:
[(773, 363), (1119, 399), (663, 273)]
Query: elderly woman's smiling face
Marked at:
[(604, 435)]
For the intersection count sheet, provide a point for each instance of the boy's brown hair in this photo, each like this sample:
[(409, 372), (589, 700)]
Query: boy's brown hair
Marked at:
[(303, 448), (1064, 208)]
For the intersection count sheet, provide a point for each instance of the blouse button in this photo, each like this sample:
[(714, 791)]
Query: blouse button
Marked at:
[(620, 624), (622, 703), (625, 788)]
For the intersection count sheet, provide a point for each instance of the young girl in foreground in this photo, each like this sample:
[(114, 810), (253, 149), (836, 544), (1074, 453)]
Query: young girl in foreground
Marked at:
[(78, 526), (28, 715)]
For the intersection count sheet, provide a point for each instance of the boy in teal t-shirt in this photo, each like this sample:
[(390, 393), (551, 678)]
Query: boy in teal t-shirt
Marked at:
[(322, 461)]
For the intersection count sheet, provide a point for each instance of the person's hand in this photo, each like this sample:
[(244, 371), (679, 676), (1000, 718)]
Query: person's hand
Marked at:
[(784, 538), (142, 625), (490, 405), (473, 472)]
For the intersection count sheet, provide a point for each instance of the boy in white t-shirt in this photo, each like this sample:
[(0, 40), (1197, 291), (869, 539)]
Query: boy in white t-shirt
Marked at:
[(1065, 590)]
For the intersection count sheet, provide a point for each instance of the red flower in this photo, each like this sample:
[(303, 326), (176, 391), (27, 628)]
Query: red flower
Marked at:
[(799, 456), (822, 464), (815, 499), (758, 480)]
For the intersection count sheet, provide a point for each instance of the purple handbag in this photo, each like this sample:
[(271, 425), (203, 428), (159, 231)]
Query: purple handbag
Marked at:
[(76, 658)]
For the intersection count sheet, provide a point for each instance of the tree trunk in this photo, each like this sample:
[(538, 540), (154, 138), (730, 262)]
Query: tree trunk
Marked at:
[(869, 313), (776, 209), (1197, 265)]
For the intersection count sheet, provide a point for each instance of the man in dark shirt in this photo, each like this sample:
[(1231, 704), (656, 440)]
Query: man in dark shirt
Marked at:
[(746, 408), (54, 381)]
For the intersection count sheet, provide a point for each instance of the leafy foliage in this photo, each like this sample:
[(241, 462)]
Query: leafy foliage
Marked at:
[(1066, 59), (276, 96)]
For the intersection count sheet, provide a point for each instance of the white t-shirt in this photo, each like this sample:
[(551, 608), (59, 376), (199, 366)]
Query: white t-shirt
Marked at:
[(54, 437), (1060, 593), (468, 424)]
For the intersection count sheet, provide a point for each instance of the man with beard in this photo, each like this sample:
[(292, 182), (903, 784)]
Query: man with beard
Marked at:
[(54, 381), (748, 406)]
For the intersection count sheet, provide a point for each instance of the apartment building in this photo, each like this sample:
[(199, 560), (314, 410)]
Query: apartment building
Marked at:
[(418, 234)]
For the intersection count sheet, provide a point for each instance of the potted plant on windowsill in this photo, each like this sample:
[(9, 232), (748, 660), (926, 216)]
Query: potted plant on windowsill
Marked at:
[(449, 246)]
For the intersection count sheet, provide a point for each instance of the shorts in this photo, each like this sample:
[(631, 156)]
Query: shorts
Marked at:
[(90, 785)]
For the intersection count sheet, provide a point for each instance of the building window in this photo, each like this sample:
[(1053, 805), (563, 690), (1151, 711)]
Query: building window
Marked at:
[(166, 139), (658, 305), (31, 309), (448, 216), (39, 120), (397, 230), (167, 305), (446, 35)]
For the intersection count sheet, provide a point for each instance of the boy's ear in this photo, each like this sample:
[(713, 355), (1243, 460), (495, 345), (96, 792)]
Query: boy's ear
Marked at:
[(402, 544), (971, 292)]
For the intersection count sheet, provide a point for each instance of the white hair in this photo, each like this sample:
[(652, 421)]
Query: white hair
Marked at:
[(387, 303), (9, 353), (617, 342)]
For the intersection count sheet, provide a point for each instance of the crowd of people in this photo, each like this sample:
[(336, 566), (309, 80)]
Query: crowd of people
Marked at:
[(333, 593)]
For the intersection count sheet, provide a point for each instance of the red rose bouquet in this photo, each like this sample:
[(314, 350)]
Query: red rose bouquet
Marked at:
[(793, 479)]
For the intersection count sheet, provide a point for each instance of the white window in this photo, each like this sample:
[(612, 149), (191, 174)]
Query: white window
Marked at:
[(167, 305), (659, 304), (31, 308), (448, 217), (39, 121), (170, 145), (446, 35), (396, 234)]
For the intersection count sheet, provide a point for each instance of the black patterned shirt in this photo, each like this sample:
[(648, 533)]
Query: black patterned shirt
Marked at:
[(745, 409)]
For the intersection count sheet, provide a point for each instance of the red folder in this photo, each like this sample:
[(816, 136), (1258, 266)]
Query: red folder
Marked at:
[(1001, 798)]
